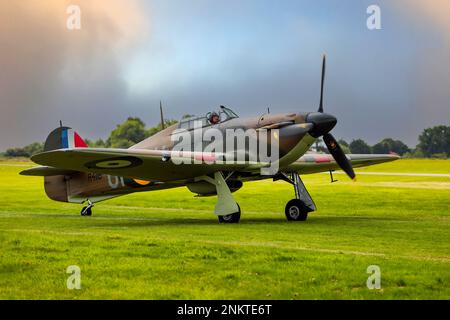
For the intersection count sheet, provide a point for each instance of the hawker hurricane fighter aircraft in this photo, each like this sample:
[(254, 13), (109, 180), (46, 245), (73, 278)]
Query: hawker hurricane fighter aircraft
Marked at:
[(75, 173)]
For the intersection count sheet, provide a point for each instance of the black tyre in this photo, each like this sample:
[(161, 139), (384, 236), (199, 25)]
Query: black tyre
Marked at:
[(86, 211), (296, 210), (231, 218)]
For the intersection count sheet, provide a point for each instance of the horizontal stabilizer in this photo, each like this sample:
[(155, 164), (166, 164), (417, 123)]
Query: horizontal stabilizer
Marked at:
[(47, 172)]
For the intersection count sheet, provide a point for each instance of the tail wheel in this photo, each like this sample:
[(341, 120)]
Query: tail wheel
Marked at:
[(86, 211), (296, 210), (231, 218)]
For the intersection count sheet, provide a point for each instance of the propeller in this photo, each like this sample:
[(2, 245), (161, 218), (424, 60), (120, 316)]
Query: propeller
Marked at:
[(331, 143), (339, 155), (324, 62)]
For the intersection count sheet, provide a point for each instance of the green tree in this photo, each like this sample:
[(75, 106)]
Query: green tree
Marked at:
[(359, 146), (127, 134), (417, 153), (344, 146), (435, 140), (26, 151), (441, 155), (343, 143), (99, 143), (389, 145), (16, 152), (34, 148)]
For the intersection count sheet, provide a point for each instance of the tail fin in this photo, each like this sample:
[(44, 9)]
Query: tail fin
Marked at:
[(62, 138)]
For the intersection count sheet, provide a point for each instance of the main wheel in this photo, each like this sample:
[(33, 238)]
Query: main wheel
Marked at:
[(86, 211), (296, 210), (231, 218)]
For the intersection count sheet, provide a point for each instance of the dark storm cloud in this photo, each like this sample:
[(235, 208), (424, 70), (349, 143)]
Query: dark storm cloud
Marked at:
[(249, 55), (50, 73)]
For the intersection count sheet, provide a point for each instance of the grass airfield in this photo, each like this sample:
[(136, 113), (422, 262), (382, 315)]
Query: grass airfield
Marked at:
[(169, 245)]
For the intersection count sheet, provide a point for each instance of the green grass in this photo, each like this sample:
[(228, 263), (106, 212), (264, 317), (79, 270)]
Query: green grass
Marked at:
[(168, 245), (413, 166)]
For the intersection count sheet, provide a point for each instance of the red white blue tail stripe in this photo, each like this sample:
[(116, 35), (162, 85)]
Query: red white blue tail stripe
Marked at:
[(71, 139)]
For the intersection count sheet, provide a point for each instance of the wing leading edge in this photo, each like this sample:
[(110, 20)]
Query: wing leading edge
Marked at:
[(315, 163)]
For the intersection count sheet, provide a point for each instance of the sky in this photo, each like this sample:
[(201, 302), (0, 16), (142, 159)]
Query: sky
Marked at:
[(246, 54)]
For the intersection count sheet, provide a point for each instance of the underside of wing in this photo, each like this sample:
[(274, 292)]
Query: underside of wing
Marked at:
[(155, 165), (314, 163)]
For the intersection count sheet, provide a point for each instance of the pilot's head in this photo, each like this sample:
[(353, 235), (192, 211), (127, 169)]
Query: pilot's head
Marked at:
[(214, 118)]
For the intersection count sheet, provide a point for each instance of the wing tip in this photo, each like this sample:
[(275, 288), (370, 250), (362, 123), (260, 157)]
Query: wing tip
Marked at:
[(24, 173)]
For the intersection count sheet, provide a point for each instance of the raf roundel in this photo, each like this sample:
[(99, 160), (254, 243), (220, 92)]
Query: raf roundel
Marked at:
[(114, 163)]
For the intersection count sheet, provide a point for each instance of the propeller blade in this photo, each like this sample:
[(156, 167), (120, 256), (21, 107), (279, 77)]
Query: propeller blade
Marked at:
[(323, 80), (339, 155)]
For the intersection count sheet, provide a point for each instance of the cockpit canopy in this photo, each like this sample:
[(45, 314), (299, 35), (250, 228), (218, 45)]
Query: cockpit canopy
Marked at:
[(225, 114)]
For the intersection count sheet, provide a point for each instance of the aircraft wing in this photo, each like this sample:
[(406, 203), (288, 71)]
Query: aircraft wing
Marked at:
[(160, 165), (154, 165), (314, 163)]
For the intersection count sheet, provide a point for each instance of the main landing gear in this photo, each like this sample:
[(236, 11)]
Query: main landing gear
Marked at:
[(231, 218), (87, 210), (226, 209), (297, 209)]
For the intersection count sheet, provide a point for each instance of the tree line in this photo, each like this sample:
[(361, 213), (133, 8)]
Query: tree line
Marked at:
[(126, 134), (433, 142)]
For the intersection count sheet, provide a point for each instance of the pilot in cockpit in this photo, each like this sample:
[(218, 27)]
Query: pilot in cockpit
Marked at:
[(214, 118)]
